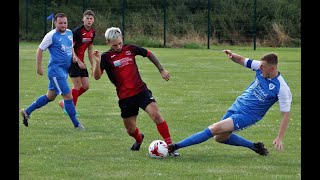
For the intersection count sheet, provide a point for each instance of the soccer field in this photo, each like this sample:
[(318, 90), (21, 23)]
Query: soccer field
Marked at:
[(203, 85)]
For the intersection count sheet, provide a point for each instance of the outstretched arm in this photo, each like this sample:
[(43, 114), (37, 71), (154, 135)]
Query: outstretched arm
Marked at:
[(283, 126), (164, 73), (235, 57)]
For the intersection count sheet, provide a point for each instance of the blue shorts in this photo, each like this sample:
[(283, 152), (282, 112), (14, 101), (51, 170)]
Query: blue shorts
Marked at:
[(59, 85), (240, 119)]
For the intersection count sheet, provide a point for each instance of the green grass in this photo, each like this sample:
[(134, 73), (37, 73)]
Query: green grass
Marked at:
[(203, 84)]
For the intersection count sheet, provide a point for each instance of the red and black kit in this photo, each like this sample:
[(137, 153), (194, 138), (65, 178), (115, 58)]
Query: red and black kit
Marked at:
[(122, 70), (82, 39)]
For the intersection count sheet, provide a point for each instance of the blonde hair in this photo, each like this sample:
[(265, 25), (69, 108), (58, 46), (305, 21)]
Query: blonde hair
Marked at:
[(112, 33)]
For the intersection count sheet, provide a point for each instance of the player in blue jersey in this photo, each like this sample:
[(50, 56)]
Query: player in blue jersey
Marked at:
[(267, 88), (59, 41)]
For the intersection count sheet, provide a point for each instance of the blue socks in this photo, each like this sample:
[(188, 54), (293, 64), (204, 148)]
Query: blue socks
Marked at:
[(195, 139), (206, 134), (71, 110), (237, 140), (38, 103), (43, 100)]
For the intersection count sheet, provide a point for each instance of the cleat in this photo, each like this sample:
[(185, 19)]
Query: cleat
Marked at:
[(172, 150), (136, 146), (61, 104), (65, 111), (80, 127), (25, 117), (174, 153), (260, 149)]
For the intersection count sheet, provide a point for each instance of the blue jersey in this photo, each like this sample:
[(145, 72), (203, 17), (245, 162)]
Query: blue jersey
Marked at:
[(60, 48), (262, 93)]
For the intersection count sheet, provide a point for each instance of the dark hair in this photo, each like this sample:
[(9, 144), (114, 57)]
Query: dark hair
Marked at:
[(270, 58), (60, 15), (89, 12)]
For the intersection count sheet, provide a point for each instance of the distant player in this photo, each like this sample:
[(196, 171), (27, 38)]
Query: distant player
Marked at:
[(83, 37), (59, 42), (267, 88)]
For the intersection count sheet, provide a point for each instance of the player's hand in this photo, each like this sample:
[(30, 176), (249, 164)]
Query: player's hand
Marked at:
[(75, 59), (97, 56), (228, 53), (40, 70), (81, 65), (165, 74), (278, 145)]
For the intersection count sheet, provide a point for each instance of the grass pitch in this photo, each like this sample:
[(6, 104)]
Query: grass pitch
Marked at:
[(203, 84)]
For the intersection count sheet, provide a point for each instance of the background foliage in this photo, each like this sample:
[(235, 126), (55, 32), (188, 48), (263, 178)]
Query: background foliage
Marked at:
[(272, 23)]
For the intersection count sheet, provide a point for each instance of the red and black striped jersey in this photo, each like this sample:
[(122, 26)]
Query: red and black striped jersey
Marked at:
[(82, 39), (122, 70)]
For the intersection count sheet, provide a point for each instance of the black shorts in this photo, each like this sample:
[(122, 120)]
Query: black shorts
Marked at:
[(130, 106), (76, 71)]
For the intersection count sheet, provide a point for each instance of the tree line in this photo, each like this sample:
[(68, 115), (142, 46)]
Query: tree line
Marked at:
[(179, 23)]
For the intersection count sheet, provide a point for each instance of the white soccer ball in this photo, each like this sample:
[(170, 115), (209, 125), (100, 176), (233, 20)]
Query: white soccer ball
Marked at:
[(158, 149)]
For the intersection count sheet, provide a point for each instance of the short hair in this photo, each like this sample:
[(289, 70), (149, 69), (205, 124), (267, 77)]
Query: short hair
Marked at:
[(270, 58), (88, 12), (60, 15), (112, 33)]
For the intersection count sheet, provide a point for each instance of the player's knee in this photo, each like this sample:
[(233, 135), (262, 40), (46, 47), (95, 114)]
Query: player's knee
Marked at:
[(51, 97), (215, 128), (156, 117)]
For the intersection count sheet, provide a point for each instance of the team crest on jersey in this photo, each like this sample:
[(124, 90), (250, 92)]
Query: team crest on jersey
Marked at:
[(128, 53), (271, 86), (70, 38)]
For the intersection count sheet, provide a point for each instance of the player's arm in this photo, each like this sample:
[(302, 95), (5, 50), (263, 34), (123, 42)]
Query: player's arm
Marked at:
[(283, 126), (75, 59), (164, 73), (39, 61), (235, 57), (97, 68), (90, 57), (45, 43), (285, 99), (74, 56)]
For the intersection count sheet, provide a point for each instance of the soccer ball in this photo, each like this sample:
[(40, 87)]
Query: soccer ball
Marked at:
[(158, 149)]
